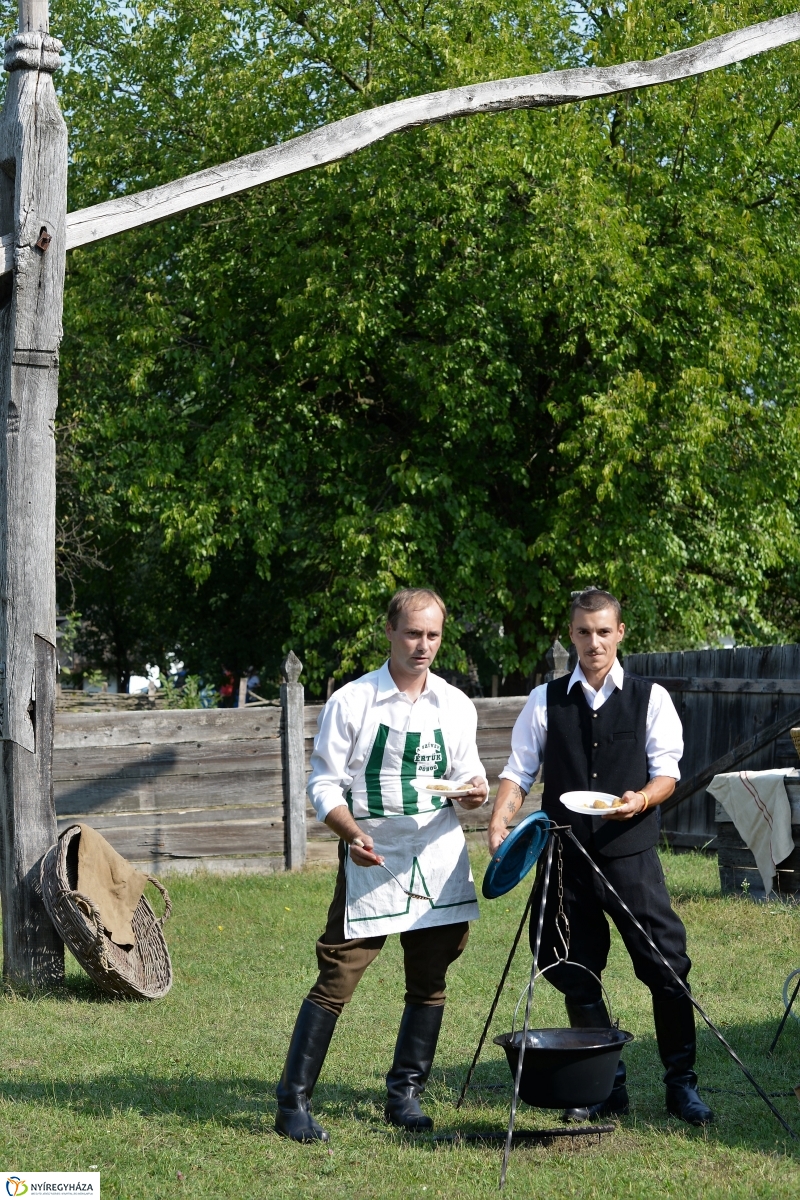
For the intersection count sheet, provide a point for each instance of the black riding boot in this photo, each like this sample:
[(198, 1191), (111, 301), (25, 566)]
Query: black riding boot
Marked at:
[(413, 1059), (677, 1045), (595, 1016), (312, 1035)]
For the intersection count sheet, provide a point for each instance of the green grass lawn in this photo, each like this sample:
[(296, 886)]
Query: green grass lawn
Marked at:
[(176, 1098)]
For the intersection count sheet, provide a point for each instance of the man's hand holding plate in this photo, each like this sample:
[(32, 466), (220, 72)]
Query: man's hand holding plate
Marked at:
[(477, 794), (633, 803)]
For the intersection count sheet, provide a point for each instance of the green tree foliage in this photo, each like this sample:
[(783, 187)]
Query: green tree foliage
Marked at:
[(507, 356)]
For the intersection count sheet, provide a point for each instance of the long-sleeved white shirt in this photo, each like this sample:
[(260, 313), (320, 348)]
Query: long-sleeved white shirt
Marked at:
[(351, 722), (663, 729)]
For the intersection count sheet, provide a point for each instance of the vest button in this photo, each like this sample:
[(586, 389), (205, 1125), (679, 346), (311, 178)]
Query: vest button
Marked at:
[(595, 744), (595, 716), (594, 774)]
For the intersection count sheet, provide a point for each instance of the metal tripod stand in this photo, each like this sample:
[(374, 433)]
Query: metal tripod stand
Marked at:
[(555, 837)]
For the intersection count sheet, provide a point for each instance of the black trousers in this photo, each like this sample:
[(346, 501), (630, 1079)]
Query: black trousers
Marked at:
[(639, 880)]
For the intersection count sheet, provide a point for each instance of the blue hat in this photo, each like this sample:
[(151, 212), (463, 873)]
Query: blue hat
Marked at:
[(514, 857)]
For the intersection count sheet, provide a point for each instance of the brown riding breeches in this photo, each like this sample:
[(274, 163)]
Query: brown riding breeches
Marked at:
[(427, 954)]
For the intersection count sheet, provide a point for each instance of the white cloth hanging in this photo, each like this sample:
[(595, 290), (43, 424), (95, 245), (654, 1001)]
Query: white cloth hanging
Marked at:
[(757, 803)]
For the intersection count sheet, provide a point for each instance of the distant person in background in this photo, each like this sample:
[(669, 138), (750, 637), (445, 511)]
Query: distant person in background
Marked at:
[(601, 729), (227, 689), (379, 737)]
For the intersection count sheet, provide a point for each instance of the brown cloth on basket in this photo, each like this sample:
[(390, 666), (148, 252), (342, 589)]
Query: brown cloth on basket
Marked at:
[(111, 882)]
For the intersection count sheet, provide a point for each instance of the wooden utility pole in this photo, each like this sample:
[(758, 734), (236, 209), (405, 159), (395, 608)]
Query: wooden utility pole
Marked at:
[(294, 761), (33, 203)]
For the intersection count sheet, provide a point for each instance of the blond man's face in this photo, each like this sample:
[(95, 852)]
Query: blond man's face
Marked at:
[(417, 638)]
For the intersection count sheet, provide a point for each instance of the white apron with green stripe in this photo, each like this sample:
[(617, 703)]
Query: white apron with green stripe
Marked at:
[(418, 834)]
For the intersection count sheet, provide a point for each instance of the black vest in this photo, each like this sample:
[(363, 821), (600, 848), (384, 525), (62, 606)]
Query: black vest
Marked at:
[(602, 751)]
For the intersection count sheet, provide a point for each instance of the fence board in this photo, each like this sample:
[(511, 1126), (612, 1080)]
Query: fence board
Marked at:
[(718, 713), (188, 758), (195, 792), (74, 730)]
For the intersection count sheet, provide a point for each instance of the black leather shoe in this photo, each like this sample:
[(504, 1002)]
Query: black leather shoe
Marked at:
[(677, 1045), (413, 1059), (617, 1105), (312, 1035), (299, 1125), (684, 1102), (595, 1016)]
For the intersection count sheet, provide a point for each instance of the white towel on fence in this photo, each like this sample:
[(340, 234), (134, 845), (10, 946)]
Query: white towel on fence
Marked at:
[(757, 803)]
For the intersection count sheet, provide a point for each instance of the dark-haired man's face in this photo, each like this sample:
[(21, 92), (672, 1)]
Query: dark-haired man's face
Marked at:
[(596, 636)]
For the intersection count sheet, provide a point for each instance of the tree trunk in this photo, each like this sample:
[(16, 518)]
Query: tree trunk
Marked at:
[(33, 201)]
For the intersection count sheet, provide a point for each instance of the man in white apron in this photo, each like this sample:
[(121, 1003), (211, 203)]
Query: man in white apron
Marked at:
[(385, 742)]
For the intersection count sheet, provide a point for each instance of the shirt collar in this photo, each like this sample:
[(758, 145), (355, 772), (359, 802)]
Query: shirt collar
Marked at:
[(387, 686), (616, 675)]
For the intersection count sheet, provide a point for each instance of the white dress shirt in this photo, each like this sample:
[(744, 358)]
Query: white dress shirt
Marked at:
[(349, 723), (663, 729)]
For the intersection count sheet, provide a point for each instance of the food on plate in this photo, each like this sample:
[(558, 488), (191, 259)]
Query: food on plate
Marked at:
[(615, 803), (449, 786)]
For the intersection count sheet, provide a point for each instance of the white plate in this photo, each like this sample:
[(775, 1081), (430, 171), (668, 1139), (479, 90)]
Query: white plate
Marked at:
[(583, 802), (424, 786)]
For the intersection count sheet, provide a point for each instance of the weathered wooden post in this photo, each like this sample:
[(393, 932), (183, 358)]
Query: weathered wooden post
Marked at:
[(557, 658), (33, 203), (294, 762)]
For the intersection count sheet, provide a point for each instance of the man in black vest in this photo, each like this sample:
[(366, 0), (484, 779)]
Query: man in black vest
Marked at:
[(602, 730)]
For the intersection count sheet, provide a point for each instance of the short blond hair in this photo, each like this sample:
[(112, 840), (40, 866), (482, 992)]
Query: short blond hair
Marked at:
[(411, 598)]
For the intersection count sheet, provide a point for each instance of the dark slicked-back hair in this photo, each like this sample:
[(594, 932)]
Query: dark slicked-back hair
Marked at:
[(592, 600), (411, 598)]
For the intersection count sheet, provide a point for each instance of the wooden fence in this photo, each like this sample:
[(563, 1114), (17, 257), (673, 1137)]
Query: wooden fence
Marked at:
[(222, 789), (225, 788), (176, 789), (737, 707)]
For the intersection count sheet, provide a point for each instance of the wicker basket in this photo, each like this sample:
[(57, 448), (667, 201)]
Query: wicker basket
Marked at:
[(141, 973), (796, 739)]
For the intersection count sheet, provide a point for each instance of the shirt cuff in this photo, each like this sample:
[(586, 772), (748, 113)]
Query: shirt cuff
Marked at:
[(524, 781), (326, 804), (664, 766)]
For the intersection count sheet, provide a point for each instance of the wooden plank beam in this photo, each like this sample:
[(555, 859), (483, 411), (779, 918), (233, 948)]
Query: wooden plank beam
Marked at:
[(733, 757), (165, 727), (343, 138), (764, 687)]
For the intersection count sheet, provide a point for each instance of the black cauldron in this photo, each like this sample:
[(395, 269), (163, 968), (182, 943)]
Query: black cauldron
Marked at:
[(565, 1068)]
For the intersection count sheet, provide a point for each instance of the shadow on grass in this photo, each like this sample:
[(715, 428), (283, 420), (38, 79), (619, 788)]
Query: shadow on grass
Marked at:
[(77, 988), (247, 1104), (743, 1118)]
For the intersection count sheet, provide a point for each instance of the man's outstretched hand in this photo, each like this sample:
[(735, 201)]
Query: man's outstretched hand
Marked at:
[(362, 852), (362, 847), (477, 794), (632, 804), (658, 790)]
